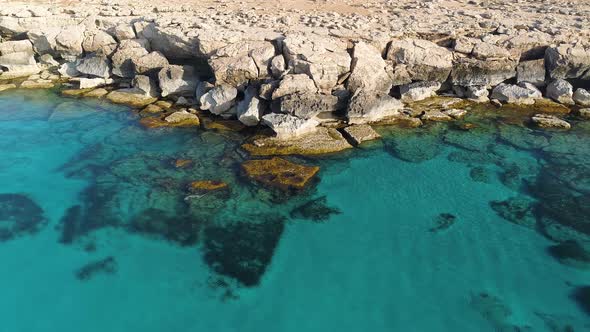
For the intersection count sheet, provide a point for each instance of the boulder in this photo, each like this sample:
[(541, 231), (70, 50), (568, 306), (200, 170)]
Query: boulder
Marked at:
[(220, 99), (485, 51), (177, 80), (474, 72), (324, 59), (561, 91), (146, 84), (523, 93), (584, 113), (124, 31), (130, 97), (150, 63), (365, 107), (94, 65), (308, 105), (418, 90), (568, 61), (294, 83), (279, 173), (358, 134), (17, 46), (63, 42), (532, 71), (549, 121), (236, 71), (250, 109), (90, 83), (171, 41), (183, 117), (68, 69), (278, 66), (368, 70), (202, 88), (436, 115), (425, 60), (321, 141), (48, 60), (19, 64), (99, 42), (124, 57), (473, 92), (286, 125), (582, 97)]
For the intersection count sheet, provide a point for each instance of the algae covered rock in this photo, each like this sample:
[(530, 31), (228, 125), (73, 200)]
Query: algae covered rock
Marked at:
[(574, 253), (19, 215), (130, 97), (316, 210), (279, 173), (518, 210), (207, 185), (321, 141)]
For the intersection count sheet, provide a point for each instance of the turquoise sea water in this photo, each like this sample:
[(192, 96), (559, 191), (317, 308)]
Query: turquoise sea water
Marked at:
[(96, 232)]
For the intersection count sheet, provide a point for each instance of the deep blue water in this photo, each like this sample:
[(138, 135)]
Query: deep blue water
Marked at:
[(96, 233)]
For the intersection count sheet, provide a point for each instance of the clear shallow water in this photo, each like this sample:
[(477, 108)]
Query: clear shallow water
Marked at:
[(388, 261)]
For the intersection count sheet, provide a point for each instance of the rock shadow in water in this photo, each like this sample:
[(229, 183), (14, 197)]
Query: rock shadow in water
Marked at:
[(242, 250), (19, 215), (106, 265), (316, 210)]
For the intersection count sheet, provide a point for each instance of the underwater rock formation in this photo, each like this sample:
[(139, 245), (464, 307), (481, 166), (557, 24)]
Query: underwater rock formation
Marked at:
[(582, 296), (315, 210), (242, 250), (572, 253), (19, 215), (443, 222), (495, 312), (107, 265), (518, 210), (279, 173), (183, 230)]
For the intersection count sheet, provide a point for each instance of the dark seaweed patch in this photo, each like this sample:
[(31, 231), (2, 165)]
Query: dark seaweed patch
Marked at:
[(443, 221), (242, 250), (480, 174), (19, 215), (181, 229), (571, 253), (582, 296), (518, 210), (107, 265), (315, 210)]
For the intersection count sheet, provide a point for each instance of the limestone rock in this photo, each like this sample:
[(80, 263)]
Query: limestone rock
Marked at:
[(145, 84), (320, 141), (18, 64), (549, 121), (177, 80), (9, 86), (182, 117), (425, 60), (236, 71), (38, 84), (250, 109), (568, 61), (418, 90), (68, 69), (202, 88), (484, 51), (369, 70), (524, 93), (124, 31), (323, 59), (285, 125), (531, 72), (561, 91), (582, 97), (360, 133), (474, 72), (99, 42), (94, 65), (279, 173), (17, 46), (473, 92), (436, 115), (131, 97), (290, 84), (278, 66), (149, 63), (124, 57), (220, 99), (583, 112), (308, 105), (90, 83), (365, 107)]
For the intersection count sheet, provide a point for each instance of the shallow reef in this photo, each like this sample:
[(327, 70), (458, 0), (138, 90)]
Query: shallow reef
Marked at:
[(243, 249), (443, 222), (19, 215), (106, 265), (315, 210)]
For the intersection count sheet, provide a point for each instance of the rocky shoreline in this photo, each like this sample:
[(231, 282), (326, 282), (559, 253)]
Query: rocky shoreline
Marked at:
[(318, 88)]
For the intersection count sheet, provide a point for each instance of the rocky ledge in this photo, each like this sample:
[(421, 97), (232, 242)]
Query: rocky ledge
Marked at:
[(301, 71)]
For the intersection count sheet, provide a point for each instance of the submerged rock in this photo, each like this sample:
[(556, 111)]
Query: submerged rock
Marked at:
[(524, 93), (495, 312), (287, 126), (321, 141), (181, 229), (549, 121), (582, 296), (279, 173), (561, 91), (360, 133), (131, 97), (518, 210), (481, 174), (316, 210), (183, 118), (19, 215), (105, 266), (443, 221), (582, 97), (207, 186), (243, 250), (572, 253)]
